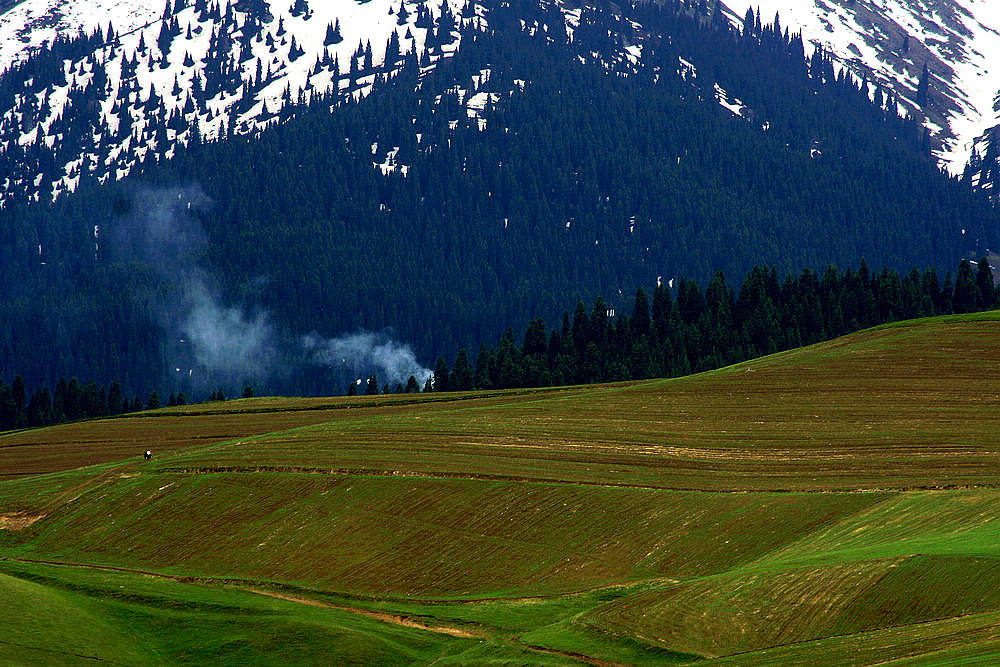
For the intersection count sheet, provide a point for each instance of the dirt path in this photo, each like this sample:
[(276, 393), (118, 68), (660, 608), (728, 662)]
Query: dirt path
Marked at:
[(385, 617), (574, 656), (409, 622)]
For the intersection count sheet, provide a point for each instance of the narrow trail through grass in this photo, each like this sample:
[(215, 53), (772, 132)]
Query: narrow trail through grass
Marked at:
[(277, 591)]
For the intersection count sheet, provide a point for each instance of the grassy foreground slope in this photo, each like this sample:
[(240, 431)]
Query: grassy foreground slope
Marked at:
[(837, 504)]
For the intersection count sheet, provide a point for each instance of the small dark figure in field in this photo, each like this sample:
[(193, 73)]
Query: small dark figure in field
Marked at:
[(148, 455)]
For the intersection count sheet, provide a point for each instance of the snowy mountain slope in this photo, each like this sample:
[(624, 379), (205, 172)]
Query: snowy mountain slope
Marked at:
[(98, 86), (95, 86), (162, 75), (480, 190), (32, 25), (890, 42)]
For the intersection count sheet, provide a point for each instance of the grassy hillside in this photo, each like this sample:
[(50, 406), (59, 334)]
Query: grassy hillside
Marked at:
[(837, 503)]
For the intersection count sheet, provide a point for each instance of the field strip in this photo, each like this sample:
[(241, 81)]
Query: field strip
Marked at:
[(355, 405), (872, 631), (17, 521), (247, 584), (766, 559), (489, 477), (254, 588)]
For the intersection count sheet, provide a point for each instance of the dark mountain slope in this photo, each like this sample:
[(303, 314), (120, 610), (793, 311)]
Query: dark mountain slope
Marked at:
[(584, 173)]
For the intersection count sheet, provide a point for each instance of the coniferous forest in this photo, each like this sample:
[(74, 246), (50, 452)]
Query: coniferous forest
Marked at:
[(582, 174), (688, 329), (676, 331)]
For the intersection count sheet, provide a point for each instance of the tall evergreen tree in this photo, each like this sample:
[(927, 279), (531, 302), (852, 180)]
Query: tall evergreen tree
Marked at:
[(984, 282), (442, 378), (966, 294)]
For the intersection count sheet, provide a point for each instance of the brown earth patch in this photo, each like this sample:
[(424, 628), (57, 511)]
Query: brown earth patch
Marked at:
[(17, 521)]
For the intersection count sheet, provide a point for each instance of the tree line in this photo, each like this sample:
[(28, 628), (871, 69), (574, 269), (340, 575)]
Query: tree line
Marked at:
[(688, 329), (70, 401), (681, 329)]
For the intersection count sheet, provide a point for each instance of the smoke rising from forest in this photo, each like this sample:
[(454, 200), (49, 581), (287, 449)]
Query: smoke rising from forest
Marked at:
[(229, 343), (394, 361), (224, 340)]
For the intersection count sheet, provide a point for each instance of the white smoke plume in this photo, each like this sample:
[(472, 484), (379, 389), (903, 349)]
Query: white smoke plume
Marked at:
[(226, 339), (227, 343), (394, 361)]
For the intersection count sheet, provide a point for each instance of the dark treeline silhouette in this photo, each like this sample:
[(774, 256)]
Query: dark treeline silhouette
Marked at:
[(70, 401), (687, 329), (680, 329)]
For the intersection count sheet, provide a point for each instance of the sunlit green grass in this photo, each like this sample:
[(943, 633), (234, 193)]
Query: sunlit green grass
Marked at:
[(58, 615)]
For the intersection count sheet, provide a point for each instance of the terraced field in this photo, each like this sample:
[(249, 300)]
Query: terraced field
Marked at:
[(836, 504)]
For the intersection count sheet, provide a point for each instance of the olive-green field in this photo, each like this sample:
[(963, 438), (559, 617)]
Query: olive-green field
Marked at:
[(836, 504)]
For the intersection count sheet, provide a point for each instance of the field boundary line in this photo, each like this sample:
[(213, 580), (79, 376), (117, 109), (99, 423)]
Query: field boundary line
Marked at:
[(52, 650), (491, 477), (597, 662)]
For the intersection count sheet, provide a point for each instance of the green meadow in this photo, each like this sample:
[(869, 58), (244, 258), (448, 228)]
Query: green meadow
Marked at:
[(835, 504)]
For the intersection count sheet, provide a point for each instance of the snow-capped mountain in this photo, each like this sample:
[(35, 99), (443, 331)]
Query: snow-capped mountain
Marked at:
[(890, 42), (96, 85)]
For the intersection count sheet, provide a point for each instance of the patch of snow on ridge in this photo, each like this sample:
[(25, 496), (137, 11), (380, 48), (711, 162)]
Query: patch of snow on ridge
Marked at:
[(979, 79), (735, 107), (34, 24), (959, 39)]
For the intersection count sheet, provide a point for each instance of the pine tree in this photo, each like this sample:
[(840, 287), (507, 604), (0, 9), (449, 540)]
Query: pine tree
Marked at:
[(640, 315), (19, 402), (40, 408), (535, 339), (330, 38), (984, 281), (442, 378), (966, 293), (483, 364), (463, 375), (923, 88), (392, 50)]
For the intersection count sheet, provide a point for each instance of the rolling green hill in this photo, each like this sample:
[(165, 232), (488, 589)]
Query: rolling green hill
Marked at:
[(833, 504)]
